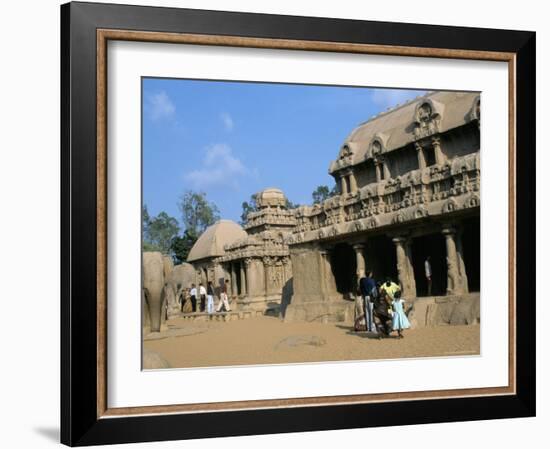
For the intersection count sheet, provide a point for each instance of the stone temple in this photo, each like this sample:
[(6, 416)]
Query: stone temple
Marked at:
[(409, 187)]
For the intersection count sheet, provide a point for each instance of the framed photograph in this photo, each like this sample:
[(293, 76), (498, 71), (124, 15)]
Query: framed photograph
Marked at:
[(287, 224)]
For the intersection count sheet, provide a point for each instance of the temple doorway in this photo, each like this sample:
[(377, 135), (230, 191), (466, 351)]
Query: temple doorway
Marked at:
[(432, 245), (380, 257), (471, 250), (343, 264)]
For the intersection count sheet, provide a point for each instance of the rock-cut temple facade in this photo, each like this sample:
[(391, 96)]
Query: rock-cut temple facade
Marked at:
[(408, 188)]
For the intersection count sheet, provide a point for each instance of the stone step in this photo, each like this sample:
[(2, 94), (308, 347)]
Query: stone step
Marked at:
[(221, 316)]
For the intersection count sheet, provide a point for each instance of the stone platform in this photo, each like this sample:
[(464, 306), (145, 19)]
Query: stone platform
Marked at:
[(445, 310), (221, 316)]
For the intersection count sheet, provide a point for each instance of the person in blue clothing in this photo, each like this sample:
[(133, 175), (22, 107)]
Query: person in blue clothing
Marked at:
[(369, 293), (399, 319)]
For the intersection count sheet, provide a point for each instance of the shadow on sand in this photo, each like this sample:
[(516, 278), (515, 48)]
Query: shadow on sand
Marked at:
[(362, 334)]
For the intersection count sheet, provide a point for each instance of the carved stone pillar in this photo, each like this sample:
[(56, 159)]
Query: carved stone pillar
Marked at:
[(453, 277), (267, 282), (352, 183), (412, 279), (421, 156), (360, 260), (344, 185), (327, 283), (461, 265), (247, 263), (404, 268), (324, 261), (243, 278), (439, 157), (234, 289)]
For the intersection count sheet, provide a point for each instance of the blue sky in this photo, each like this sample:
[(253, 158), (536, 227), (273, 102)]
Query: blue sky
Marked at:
[(232, 139)]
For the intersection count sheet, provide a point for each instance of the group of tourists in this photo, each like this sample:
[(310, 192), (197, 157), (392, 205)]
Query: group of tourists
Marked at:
[(380, 308), (206, 298)]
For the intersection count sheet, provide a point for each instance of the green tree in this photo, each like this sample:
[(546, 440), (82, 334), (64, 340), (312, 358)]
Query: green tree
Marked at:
[(145, 220), (181, 246), (197, 213), (160, 232), (291, 205), (322, 193), (248, 207)]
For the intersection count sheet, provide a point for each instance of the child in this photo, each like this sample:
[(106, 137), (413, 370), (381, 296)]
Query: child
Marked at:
[(399, 320)]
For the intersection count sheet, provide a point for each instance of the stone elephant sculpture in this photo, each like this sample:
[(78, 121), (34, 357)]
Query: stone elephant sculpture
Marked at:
[(181, 278), (168, 265), (154, 289)]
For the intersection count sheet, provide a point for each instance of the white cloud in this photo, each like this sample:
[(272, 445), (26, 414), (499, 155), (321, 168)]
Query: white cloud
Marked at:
[(220, 167), (159, 106), (387, 98), (227, 121)]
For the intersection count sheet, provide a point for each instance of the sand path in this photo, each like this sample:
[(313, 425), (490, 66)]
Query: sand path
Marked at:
[(265, 339)]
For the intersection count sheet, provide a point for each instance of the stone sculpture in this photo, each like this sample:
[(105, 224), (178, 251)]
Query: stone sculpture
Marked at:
[(154, 288)]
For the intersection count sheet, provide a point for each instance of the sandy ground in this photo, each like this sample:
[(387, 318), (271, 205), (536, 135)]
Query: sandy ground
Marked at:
[(265, 340)]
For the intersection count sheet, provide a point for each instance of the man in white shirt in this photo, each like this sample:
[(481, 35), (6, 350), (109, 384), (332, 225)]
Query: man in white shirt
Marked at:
[(193, 294), (202, 293), (428, 272), (223, 298)]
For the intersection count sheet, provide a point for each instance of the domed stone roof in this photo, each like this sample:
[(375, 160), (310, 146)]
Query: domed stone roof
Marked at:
[(212, 241), (271, 197)]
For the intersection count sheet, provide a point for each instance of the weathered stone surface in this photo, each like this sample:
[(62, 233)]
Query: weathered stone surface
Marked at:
[(146, 317), (466, 311), (178, 283), (153, 288), (321, 312), (438, 311), (168, 264), (212, 241)]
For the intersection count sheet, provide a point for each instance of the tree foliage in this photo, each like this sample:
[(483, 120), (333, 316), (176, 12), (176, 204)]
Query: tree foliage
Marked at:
[(181, 246), (323, 193), (197, 212), (248, 207), (291, 205), (162, 233), (158, 232)]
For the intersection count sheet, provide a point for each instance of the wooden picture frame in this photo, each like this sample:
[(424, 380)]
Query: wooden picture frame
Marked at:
[(86, 29)]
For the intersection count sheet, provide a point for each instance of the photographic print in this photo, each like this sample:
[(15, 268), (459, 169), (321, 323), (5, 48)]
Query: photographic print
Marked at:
[(291, 223), (280, 202)]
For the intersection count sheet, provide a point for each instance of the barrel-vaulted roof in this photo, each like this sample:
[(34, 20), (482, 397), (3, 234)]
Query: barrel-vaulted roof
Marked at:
[(395, 128)]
